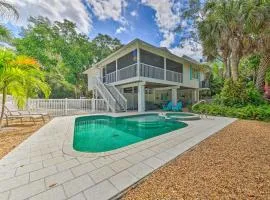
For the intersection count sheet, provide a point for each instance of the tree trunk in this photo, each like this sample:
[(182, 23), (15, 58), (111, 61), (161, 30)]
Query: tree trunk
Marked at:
[(264, 64), (234, 67), (3, 105), (235, 57), (227, 68)]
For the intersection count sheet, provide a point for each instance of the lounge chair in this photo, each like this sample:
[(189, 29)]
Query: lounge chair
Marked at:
[(178, 107), (13, 111), (168, 106), (8, 116)]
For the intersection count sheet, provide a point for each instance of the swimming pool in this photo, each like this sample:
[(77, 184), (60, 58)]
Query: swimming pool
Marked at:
[(101, 133)]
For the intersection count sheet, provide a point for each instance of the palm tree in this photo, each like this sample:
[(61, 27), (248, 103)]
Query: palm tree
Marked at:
[(233, 29), (21, 77), (215, 42), (218, 31), (7, 11), (258, 29)]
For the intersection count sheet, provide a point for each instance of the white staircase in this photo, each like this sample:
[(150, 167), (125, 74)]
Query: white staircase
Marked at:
[(115, 100), (121, 101)]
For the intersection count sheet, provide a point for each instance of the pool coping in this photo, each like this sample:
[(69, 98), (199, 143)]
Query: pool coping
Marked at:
[(68, 149)]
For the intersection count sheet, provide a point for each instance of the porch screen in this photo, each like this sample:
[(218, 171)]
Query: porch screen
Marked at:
[(151, 59), (127, 60), (174, 66), (111, 67)]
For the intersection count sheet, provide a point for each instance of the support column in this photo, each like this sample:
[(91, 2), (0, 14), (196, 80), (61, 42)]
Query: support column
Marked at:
[(195, 95), (138, 61), (165, 68), (174, 96), (141, 98), (154, 93), (133, 99)]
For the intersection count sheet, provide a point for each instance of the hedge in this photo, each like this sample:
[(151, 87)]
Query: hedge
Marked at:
[(261, 112)]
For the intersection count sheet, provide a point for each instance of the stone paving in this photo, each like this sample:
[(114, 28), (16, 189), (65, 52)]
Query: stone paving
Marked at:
[(39, 169)]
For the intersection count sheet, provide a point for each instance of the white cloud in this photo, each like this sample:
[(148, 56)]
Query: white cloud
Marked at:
[(121, 29), (109, 9), (55, 10), (167, 18), (189, 48), (134, 13), (168, 38)]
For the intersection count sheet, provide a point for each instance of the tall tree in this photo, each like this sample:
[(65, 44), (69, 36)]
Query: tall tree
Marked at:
[(232, 29), (258, 28), (104, 45), (64, 53)]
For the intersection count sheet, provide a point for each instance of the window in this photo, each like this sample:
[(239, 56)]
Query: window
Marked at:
[(151, 59), (194, 73)]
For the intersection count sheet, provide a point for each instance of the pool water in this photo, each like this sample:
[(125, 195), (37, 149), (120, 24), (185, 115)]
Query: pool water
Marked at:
[(103, 133)]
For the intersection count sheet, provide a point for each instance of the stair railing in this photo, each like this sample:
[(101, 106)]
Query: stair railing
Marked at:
[(106, 95), (120, 99)]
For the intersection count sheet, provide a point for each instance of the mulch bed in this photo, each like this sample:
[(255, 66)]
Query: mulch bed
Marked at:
[(14, 134), (233, 164)]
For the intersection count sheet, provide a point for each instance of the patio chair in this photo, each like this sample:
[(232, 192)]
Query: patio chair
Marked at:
[(9, 116), (12, 110), (168, 106), (178, 107)]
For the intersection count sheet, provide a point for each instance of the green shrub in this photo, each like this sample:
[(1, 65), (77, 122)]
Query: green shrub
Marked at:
[(249, 111), (238, 94)]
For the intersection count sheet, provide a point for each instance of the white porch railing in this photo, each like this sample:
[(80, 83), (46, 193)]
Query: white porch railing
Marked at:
[(61, 107), (145, 71), (127, 72), (174, 76), (151, 71), (111, 77)]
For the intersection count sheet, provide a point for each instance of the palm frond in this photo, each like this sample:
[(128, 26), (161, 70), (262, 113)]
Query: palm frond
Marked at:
[(7, 10), (5, 34)]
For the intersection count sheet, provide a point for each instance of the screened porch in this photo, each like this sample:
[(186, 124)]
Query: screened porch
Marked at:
[(142, 63)]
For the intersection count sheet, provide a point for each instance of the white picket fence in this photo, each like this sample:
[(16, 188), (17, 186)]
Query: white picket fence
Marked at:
[(61, 107)]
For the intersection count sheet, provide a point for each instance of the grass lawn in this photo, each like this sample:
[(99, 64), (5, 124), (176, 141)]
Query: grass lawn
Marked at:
[(233, 164), (16, 133)]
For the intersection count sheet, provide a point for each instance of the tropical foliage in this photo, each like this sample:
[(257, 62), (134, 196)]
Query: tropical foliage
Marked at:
[(20, 76), (239, 93), (64, 53), (250, 111), (232, 30), (235, 36)]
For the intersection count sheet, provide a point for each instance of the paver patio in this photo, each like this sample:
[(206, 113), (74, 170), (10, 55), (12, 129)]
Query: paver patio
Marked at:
[(39, 168)]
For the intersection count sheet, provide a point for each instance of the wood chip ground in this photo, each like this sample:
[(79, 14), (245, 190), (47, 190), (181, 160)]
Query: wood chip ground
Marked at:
[(232, 164), (14, 134)]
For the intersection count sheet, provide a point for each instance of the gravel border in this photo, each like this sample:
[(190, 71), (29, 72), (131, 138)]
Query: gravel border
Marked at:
[(232, 164)]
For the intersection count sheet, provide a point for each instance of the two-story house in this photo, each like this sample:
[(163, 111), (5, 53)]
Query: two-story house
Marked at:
[(140, 76)]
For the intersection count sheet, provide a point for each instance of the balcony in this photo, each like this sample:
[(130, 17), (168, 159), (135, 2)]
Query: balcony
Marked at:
[(145, 70)]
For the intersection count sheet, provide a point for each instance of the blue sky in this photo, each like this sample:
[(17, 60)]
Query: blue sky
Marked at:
[(153, 21)]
